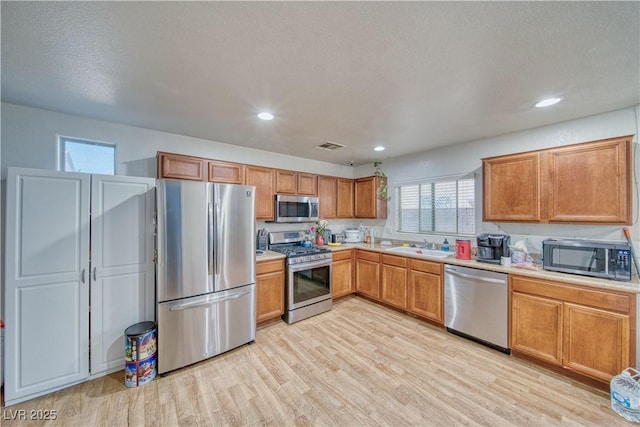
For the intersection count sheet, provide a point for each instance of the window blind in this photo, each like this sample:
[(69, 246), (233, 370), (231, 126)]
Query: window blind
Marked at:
[(437, 206)]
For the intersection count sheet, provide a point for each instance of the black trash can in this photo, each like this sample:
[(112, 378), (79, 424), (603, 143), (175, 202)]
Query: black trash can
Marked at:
[(140, 349)]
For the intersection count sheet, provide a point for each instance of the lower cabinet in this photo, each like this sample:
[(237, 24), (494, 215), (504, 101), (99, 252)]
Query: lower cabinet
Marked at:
[(425, 290), (269, 290), (368, 273), (394, 280), (586, 330), (341, 273)]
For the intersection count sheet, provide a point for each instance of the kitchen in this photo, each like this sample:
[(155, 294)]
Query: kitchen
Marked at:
[(28, 135)]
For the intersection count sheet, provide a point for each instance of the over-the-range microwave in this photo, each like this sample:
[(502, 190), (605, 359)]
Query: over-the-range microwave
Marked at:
[(607, 260), (296, 208)]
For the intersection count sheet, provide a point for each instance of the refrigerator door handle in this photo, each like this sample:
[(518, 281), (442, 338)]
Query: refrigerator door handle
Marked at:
[(213, 301), (217, 238), (210, 237)]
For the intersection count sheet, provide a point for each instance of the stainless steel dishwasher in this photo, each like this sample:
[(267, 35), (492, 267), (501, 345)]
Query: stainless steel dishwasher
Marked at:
[(476, 305)]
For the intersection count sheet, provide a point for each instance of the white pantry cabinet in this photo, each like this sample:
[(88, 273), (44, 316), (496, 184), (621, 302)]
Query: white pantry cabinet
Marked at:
[(50, 280)]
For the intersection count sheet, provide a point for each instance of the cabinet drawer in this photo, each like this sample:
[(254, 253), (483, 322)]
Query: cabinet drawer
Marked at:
[(394, 260), (607, 300), (426, 266), (269, 266), (340, 255), (369, 256)]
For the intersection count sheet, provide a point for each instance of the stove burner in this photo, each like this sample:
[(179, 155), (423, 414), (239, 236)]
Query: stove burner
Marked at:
[(297, 254)]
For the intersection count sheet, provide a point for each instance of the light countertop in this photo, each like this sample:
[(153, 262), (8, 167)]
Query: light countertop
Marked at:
[(632, 286)]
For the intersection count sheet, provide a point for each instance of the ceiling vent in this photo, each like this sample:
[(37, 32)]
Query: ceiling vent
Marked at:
[(329, 146)]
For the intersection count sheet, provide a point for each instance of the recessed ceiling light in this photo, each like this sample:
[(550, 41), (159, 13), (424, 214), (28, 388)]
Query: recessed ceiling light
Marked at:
[(265, 115), (379, 148), (548, 102)]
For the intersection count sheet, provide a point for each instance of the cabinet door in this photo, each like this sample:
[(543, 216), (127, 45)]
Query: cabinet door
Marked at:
[(47, 282), (264, 181), (269, 290), (366, 202), (536, 327), (122, 268), (512, 186), (591, 182), (327, 196), (226, 172), (596, 342), (368, 274), (286, 182), (341, 274), (344, 202), (394, 280), (177, 166), (425, 295), (307, 184)]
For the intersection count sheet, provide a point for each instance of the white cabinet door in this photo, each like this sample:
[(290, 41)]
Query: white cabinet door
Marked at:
[(122, 268), (46, 282)]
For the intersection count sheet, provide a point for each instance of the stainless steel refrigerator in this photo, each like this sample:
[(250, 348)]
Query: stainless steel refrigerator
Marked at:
[(205, 288)]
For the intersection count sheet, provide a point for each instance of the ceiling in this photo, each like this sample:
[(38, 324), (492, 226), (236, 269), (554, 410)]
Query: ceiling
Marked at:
[(410, 76)]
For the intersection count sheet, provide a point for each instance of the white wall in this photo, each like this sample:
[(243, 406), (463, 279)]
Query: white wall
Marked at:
[(466, 158), (29, 139)]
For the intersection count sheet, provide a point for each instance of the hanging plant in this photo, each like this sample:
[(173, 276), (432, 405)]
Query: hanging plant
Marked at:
[(383, 187)]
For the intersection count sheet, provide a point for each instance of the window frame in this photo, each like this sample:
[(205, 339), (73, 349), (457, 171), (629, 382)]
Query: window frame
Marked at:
[(62, 140), (432, 182)]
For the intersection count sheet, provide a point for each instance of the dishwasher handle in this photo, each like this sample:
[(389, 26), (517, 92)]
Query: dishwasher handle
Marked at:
[(469, 276)]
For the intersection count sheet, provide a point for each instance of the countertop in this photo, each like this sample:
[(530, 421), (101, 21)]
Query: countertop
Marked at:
[(537, 272)]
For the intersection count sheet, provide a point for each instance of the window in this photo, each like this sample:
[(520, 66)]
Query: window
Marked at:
[(79, 155), (437, 207)]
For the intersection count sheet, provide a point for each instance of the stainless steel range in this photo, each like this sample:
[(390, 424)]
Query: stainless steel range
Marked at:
[(308, 279)]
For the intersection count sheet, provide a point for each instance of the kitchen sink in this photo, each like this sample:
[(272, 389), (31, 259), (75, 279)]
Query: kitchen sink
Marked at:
[(427, 253)]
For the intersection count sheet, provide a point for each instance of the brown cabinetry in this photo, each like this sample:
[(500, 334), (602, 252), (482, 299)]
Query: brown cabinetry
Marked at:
[(344, 200), (307, 184), (394, 280), (342, 273), (177, 166), (425, 290), (580, 183), (226, 172), (368, 273), (269, 290), (590, 182), (264, 181), (366, 202), (327, 196), (286, 182), (512, 188), (589, 331)]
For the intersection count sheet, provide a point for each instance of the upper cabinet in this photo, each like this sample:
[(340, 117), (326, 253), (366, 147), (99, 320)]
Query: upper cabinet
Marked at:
[(580, 183), (286, 182), (307, 184), (177, 166), (344, 199), (512, 188), (327, 196), (264, 179), (591, 182), (226, 172), (290, 182), (367, 204)]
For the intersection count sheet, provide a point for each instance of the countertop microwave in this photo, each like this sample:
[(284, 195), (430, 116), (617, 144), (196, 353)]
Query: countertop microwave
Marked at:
[(296, 208), (607, 260)]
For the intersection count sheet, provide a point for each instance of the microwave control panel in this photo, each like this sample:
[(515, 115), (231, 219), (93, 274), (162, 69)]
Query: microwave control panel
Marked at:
[(622, 263)]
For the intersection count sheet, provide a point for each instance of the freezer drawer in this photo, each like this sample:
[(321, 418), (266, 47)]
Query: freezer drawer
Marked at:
[(194, 329)]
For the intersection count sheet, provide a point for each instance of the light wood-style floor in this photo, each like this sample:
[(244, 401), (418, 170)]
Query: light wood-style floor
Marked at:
[(359, 364)]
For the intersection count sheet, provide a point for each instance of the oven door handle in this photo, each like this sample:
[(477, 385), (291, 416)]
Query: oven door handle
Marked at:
[(309, 265)]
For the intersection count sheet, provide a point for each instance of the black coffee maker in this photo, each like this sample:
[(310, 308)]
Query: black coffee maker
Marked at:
[(492, 247)]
